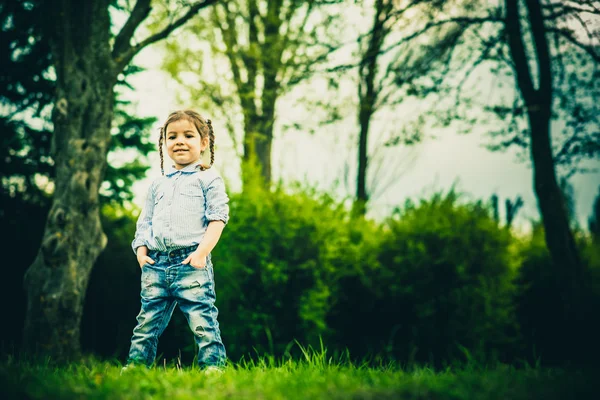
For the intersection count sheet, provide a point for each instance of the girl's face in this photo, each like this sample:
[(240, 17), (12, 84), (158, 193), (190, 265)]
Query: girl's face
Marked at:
[(184, 143)]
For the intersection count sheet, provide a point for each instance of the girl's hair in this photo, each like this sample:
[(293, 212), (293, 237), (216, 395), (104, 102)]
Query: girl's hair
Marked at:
[(203, 126)]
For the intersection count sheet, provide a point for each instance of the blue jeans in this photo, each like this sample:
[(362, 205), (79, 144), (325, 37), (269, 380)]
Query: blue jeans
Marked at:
[(168, 283)]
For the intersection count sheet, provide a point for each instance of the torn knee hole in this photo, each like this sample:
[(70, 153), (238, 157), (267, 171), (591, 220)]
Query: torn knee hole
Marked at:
[(199, 331)]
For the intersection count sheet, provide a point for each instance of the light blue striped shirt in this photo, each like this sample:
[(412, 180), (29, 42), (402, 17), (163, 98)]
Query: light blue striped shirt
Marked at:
[(179, 207)]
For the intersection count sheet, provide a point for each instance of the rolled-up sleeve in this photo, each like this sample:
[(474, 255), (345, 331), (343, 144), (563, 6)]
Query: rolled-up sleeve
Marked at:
[(217, 201), (144, 223)]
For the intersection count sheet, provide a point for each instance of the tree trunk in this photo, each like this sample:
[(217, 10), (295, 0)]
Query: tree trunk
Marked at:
[(538, 102), (264, 142), (258, 141), (362, 197), (551, 203), (57, 280), (367, 94)]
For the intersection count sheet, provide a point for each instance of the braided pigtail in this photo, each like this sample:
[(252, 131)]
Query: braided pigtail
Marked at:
[(211, 144), (160, 150)]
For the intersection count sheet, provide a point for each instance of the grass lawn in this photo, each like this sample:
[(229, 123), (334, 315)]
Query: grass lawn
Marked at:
[(309, 379)]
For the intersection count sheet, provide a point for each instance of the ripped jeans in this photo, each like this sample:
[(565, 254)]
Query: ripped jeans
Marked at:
[(168, 283)]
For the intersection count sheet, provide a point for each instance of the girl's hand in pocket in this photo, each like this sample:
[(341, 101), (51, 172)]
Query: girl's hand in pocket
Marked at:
[(143, 260), (196, 260)]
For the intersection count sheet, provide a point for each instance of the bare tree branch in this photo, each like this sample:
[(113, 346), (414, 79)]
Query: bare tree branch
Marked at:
[(517, 49), (138, 14), (466, 22), (563, 9), (568, 35), (488, 46), (124, 57)]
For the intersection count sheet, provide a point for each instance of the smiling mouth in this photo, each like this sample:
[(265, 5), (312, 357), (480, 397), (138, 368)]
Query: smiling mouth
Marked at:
[(179, 151)]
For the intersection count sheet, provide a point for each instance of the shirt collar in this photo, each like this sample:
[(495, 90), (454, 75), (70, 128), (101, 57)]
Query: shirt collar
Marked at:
[(187, 169)]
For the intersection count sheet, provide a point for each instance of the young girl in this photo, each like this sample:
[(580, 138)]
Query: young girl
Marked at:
[(185, 212)]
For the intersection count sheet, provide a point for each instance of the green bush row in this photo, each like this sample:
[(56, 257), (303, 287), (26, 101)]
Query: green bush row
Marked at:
[(439, 281)]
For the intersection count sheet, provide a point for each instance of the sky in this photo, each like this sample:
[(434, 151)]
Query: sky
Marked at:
[(318, 159)]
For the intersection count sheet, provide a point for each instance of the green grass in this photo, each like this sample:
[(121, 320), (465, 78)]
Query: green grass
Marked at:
[(315, 377)]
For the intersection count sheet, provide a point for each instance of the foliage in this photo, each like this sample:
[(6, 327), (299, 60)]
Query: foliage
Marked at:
[(26, 94), (276, 266), (441, 285), (25, 90)]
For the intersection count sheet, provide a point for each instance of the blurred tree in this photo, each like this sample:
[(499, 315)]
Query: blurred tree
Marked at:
[(270, 46), (550, 49), (88, 61), (368, 92), (381, 72), (537, 92)]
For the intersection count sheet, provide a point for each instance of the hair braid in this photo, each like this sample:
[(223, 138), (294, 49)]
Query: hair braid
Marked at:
[(160, 150), (211, 145)]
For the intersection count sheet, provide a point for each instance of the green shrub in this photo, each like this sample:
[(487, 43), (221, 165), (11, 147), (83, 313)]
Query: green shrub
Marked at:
[(441, 284), (275, 268), (436, 282)]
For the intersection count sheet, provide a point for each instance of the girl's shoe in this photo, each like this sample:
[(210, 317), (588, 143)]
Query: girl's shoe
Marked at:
[(128, 367), (212, 371)]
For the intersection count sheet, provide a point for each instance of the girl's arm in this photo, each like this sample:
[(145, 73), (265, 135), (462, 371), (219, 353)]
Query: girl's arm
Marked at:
[(144, 225), (217, 213), (211, 237)]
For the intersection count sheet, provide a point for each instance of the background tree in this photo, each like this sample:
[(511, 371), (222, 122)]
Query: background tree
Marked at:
[(87, 69), (381, 72), (538, 103), (270, 46), (560, 40), (368, 92), (511, 208)]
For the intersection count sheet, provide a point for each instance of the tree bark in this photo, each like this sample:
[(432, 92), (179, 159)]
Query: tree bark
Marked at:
[(73, 238), (538, 102)]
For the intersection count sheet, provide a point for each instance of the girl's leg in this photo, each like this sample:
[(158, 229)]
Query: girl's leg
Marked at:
[(195, 295), (157, 308)]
